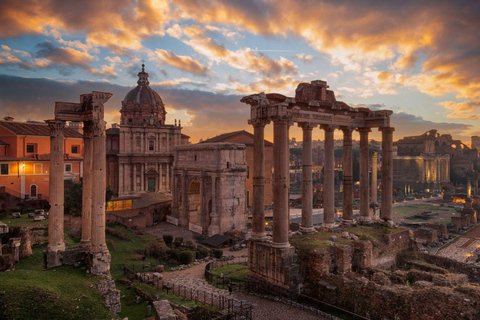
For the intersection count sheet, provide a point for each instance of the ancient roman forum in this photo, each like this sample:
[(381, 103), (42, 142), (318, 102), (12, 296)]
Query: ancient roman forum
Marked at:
[(93, 248), (313, 106)]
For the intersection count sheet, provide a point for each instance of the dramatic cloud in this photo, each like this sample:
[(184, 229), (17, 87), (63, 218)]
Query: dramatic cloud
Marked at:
[(461, 110), (184, 63)]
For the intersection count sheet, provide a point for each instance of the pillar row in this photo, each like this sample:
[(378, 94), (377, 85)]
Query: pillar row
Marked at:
[(56, 242), (387, 173), (281, 155), (347, 217), (329, 179), (364, 179), (307, 187)]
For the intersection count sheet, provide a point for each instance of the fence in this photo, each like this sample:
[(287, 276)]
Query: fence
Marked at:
[(233, 307), (225, 280)]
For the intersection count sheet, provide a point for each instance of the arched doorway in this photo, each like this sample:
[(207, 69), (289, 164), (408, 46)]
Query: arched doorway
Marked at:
[(33, 191), (194, 202), (151, 181)]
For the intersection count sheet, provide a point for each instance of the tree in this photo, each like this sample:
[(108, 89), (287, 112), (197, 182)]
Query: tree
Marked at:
[(73, 197)]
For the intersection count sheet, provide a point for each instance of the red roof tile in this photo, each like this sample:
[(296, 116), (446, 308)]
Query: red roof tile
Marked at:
[(35, 129)]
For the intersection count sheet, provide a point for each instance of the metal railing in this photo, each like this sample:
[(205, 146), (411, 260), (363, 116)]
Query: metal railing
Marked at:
[(235, 309)]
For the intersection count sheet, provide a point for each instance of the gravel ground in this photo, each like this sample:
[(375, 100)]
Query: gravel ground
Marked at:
[(274, 310)]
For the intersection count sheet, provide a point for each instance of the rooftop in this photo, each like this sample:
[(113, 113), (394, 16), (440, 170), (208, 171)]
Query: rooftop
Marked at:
[(36, 129)]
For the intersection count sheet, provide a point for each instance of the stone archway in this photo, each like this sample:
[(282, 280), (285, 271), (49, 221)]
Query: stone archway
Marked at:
[(151, 179), (194, 202)]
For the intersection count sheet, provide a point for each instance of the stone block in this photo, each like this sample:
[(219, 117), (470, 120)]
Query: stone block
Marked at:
[(163, 310), (7, 262)]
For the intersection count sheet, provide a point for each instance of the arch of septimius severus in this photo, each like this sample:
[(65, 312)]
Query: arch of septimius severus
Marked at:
[(313, 106)]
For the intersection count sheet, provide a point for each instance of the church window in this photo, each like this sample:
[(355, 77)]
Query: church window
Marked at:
[(150, 145), (129, 120)]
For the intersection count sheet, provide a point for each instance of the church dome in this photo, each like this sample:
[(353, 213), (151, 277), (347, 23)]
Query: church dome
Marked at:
[(142, 105)]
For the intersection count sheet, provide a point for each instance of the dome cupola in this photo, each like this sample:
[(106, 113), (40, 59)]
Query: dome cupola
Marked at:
[(142, 105)]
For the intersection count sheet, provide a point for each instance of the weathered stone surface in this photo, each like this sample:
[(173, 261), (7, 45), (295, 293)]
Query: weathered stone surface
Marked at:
[(381, 278), (7, 262), (163, 310), (422, 284), (111, 296)]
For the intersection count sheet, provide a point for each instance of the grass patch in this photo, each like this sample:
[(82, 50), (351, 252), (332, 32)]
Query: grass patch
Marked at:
[(24, 221), (235, 271), (61, 293), (402, 212)]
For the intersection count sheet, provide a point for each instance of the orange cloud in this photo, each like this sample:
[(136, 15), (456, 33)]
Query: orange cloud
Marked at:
[(184, 63)]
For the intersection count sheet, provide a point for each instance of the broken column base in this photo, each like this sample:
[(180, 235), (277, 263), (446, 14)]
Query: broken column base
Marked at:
[(277, 266), (99, 262), (53, 259)]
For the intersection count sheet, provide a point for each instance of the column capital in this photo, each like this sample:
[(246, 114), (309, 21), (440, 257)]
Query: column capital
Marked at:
[(328, 127), (307, 125), (99, 128), (375, 154), (347, 130), (364, 130), (283, 120), (88, 129), (386, 129), (56, 127), (258, 122)]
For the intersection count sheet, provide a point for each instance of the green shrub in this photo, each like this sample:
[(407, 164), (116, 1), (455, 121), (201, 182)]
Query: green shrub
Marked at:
[(202, 252), (167, 238), (178, 242), (186, 257), (217, 253), (173, 254), (190, 245)]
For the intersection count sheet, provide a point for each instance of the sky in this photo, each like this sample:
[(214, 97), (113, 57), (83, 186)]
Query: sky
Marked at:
[(420, 59)]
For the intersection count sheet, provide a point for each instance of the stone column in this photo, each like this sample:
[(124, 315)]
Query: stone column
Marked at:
[(134, 180), (87, 184), (387, 174), (364, 181), (121, 175), (281, 188), (167, 176), (201, 213), (98, 188), (142, 176), (183, 218), (307, 187), (347, 176), (329, 179), (258, 215), (374, 178), (56, 242), (214, 219)]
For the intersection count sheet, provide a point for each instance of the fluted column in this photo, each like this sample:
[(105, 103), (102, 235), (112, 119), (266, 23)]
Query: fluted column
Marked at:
[(55, 220), (329, 179), (347, 176), (258, 216), (307, 187), (364, 181), (374, 178), (87, 184), (98, 187), (281, 154), (387, 173)]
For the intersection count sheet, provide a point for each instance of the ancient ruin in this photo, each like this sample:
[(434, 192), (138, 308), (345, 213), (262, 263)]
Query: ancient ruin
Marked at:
[(313, 105), (209, 187), (93, 248)]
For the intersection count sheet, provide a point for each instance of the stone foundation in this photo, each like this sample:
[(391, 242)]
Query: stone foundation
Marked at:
[(111, 296), (276, 266), (69, 256), (99, 262)]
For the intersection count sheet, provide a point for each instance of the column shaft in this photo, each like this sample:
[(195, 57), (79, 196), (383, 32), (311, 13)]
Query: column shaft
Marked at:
[(307, 187), (329, 179), (347, 176), (280, 197), (258, 216), (364, 181), (55, 220), (387, 173), (98, 188), (87, 184), (374, 178)]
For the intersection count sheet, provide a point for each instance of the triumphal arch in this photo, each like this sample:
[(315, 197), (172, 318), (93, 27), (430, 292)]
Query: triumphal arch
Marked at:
[(93, 248), (313, 106)]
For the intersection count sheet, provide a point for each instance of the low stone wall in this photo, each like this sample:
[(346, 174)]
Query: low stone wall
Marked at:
[(472, 271), (35, 235)]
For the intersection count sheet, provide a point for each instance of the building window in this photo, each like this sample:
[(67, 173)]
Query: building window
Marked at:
[(248, 172), (4, 168), (150, 145), (195, 157), (68, 167), (75, 149), (33, 191), (31, 148), (129, 120), (37, 168)]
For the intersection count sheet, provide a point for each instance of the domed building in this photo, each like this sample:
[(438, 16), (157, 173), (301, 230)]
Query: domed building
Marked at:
[(140, 149)]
